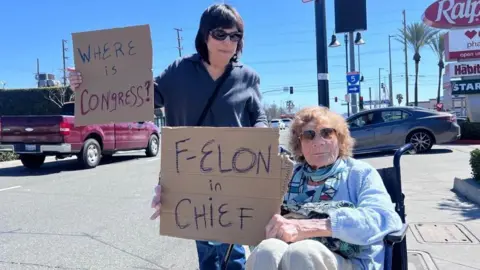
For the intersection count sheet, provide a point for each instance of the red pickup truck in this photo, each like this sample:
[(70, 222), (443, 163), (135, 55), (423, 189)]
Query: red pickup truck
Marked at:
[(35, 137)]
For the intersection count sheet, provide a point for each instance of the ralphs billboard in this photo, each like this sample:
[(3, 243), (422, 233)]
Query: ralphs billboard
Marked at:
[(452, 13)]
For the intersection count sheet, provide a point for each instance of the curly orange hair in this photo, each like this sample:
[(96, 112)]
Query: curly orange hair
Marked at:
[(324, 116)]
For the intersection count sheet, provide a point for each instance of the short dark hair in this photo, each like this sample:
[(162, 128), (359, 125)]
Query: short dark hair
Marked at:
[(218, 16)]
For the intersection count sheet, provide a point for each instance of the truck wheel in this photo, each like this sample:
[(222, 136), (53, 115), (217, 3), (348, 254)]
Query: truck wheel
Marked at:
[(91, 154), (153, 146), (32, 161)]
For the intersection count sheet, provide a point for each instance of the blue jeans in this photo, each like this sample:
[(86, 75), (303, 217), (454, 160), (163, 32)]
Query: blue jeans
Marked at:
[(210, 257)]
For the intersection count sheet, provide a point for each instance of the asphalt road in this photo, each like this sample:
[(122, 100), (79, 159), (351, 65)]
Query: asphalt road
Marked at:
[(64, 218)]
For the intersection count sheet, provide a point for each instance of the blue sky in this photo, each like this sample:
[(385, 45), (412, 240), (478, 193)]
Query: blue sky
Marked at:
[(279, 45)]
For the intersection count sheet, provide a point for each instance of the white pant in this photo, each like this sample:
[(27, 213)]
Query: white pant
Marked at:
[(273, 254)]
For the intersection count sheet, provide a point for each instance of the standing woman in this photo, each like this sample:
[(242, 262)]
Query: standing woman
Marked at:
[(187, 85)]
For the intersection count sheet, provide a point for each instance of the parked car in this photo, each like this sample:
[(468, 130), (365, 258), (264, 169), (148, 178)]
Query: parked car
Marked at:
[(287, 122), (36, 136), (390, 128), (277, 123)]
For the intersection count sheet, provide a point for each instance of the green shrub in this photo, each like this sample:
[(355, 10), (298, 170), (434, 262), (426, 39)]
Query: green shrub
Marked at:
[(475, 163), (470, 131), (7, 156)]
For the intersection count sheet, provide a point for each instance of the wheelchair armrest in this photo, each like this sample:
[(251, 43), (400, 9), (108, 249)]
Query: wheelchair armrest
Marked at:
[(398, 236)]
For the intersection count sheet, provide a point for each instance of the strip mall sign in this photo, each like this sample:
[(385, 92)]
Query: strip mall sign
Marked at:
[(465, 69), (453, 13), (462, 44), (466, 87)]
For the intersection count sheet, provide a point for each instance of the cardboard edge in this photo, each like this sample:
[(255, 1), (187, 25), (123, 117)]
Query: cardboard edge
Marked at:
[(114, 28), (467, 188)]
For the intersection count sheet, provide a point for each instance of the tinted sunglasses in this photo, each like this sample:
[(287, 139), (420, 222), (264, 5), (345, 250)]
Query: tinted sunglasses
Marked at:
[(325, 133), (221, 35)]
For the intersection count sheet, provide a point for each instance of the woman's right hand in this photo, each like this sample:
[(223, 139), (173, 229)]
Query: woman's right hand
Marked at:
[(156, 202), (75, 78)]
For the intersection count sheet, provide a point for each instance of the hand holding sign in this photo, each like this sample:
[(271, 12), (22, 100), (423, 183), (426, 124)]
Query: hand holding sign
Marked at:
[(221, 184), (116, 75)]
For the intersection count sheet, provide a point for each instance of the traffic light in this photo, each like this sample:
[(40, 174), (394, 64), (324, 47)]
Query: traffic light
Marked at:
[(360, 103), (291, 90), (336, 99)]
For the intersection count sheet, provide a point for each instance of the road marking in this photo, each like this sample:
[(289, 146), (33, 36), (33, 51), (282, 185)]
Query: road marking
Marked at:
[(8, 188)]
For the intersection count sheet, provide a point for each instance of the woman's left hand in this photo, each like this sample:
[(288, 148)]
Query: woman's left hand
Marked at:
[(287, 230)]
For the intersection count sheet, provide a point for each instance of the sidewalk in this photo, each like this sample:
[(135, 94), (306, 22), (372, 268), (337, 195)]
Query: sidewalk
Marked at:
[(444, 229)]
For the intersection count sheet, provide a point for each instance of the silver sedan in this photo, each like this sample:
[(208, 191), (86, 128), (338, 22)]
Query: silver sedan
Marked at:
[(390, 128)]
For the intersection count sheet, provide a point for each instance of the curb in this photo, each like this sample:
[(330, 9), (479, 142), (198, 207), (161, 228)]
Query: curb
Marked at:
[(468, 188), (465, 142)]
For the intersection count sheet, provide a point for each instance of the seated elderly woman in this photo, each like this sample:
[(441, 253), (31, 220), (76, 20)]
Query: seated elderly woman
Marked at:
[(336, 211)]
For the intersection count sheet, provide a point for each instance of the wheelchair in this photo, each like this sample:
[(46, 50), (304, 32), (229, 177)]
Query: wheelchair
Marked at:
[(396, 242)]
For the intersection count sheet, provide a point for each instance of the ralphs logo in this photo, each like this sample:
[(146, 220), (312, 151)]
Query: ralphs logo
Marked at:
[(465, 87), (456, 70), (453, 13)]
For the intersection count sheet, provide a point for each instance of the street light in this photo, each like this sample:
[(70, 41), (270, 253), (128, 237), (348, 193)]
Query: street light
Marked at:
[(358, 39), (334, 43)]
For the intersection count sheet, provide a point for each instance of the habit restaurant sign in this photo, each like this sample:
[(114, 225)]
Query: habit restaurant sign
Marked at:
[(463, 69), (465, 87), (446, 14)]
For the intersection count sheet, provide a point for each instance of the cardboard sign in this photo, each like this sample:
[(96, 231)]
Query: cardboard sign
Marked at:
[(221, 184), (116, 67)]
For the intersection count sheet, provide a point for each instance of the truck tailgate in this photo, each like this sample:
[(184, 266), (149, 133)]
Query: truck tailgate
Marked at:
[(31, 129)]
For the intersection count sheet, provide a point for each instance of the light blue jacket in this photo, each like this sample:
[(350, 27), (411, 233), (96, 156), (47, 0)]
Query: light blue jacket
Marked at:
[(373, 218)]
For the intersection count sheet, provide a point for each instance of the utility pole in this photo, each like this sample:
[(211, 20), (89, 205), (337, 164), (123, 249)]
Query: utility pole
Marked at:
[(353, 97), (64, 49), (179, 41), (346, 64), (390, 83), (322, 59), (406, 55), (38, 73), (379, 88)]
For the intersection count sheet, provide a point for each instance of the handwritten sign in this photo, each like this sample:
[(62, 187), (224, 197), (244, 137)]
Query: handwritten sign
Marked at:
[(220, 184), (116, 67)]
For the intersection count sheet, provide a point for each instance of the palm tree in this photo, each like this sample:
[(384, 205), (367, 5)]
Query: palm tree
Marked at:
[(438, 47), (417, 35)]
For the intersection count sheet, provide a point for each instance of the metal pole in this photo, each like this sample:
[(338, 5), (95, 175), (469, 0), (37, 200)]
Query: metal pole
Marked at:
[(359, 70), (353, 97), (322, 61), (179, 41), (390, 84), (370, 96), (64, 63), (406, 56), (379, 87), (346, 65), (38, 73)]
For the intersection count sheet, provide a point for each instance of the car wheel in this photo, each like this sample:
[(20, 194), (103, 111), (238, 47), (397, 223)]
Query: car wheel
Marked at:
[(422, 141), (32, 161), (91, 154), (153, 146)]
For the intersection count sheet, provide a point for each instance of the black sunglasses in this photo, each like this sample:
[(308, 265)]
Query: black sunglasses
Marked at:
[(325, 133), (221, 35)]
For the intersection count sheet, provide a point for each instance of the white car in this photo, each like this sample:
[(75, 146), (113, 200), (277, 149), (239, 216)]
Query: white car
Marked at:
[(277, 123), (287, 122)]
